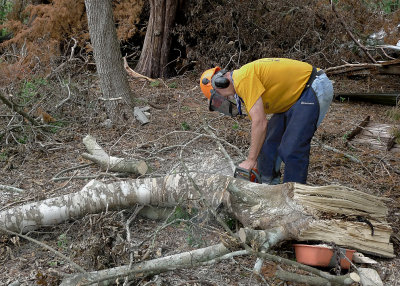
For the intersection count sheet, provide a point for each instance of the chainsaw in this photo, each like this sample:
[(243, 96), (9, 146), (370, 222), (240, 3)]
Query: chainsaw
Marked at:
[(248, 175)]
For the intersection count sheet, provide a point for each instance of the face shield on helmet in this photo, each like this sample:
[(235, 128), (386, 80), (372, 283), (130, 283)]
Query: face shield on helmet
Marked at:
[(222, 104), (209, 81)]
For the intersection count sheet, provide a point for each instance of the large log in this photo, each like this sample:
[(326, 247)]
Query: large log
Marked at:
[(298, 212)]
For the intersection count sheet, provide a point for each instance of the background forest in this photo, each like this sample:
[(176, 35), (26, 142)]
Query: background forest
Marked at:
[(51, 98)]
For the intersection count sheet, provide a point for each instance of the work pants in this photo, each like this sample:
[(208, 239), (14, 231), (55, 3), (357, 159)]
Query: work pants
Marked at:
[(289, 134)]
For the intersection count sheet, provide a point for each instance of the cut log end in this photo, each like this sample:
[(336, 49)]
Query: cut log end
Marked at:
[(142, 167), (355, 277)]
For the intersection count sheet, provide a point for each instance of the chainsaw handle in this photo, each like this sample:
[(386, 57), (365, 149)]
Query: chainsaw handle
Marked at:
[(257, 177), (249, 175)]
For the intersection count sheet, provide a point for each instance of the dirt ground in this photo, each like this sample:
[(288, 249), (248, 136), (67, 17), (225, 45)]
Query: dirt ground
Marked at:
[(175, 135)]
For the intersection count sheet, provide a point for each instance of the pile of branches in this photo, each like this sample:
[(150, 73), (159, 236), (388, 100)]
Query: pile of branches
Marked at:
[(232, 33)]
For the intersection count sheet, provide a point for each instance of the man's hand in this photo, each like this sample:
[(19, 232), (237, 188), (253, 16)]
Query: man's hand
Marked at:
[(248, 164)]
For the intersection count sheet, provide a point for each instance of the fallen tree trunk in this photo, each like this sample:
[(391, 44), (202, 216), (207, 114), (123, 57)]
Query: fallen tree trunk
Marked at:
[(298, 212)]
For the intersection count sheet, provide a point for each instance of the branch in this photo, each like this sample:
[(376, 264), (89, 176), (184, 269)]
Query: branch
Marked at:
[(177, 261), (221, 147), (351, 67), (336, 280), (18, 110), (348, 156), (11, 189), (110, 163)]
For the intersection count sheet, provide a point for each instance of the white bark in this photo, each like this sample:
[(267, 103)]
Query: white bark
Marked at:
[(110, 163), (177, 261), (288, 211), (96, 197)]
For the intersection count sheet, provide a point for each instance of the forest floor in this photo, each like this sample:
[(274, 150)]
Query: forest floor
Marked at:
[(174, 136)]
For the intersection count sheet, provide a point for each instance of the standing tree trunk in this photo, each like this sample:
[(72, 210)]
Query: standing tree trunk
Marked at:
[(154, 57), (107, 54)]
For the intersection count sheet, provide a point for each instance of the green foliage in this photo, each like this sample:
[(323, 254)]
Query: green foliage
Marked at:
[(385, 6), (388, 6), (185, 126), (56, 126), (235, 126), (231, 222), (346, 135), (22, 140), (30, 89), (63, 241), (3, 156), (155, 83), (180, 213), (394, 113), (395, 132), (173, 85), (5, 8)]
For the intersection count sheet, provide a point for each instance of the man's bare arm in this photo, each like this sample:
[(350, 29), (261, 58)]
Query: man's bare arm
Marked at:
[(258, 132)]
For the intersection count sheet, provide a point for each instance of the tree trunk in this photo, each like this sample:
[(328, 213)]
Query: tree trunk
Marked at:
[(288, 211), (154, 57), (107, 54)]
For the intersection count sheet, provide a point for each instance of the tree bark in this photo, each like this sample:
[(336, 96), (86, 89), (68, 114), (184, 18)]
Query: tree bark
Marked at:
[(178, 261), (290, 211), (107, 54), (204, 256), (154, 57), (110, 163)]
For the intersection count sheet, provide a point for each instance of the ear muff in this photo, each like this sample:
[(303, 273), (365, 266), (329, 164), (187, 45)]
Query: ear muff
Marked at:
[(219, 81)]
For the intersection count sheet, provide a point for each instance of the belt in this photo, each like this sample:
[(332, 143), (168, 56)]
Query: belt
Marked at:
[(314, 74)]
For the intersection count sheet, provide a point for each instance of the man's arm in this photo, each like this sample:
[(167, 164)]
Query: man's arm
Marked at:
[(258, 132)]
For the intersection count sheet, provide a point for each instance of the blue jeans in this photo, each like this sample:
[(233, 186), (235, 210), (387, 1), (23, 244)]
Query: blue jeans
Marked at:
[(289, 135)]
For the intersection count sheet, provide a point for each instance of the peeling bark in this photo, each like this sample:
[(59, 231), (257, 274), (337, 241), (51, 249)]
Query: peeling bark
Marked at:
[(287, 212)]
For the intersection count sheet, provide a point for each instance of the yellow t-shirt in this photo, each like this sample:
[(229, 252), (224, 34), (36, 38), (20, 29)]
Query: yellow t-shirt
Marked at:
[(278, 81)]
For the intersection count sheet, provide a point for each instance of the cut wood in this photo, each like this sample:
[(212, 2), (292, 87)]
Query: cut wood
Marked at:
[(369, 277), (290, 211), (378, 136), (139, 115), (359, 128), (110, 163)]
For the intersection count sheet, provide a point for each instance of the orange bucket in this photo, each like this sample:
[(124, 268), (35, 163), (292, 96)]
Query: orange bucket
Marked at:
[(319, 255)]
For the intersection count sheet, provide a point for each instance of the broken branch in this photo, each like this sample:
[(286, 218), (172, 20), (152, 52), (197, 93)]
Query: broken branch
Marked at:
[(110, 163)]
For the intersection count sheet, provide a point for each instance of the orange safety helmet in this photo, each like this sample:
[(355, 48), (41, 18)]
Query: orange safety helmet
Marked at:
[(205, 81)]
